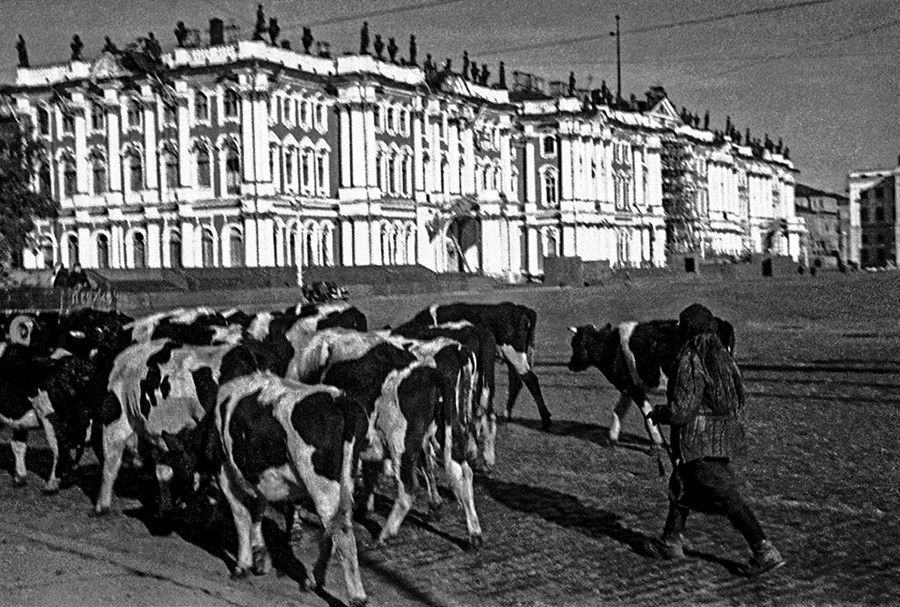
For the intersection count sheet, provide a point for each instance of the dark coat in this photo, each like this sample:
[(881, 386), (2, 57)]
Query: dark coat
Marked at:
[(706, 402)]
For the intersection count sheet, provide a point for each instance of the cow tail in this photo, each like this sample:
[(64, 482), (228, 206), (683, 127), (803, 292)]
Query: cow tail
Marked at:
[(356, 427), (531, 315)]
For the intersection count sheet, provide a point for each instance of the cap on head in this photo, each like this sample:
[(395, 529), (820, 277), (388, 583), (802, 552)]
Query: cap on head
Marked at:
[(694, 320)]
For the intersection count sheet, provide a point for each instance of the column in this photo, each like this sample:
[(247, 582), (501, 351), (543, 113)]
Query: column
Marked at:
[(117, 246), (188, 244), (533, 247), (184, 145), (565, 173), (505, 164), (266, 242), (81, 159), (346, 148), (247, 136), (468, 183), (150, 155), (250, 243), (261, 137), (358, 148), (85, 248), (154, 245), (113, 146), (638, 170), (453, 149), (530, 176), (370, 148), (418, 154), (361, 242), (347, 242)]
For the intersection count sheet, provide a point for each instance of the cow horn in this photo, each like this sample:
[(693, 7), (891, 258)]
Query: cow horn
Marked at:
[(573, 329)]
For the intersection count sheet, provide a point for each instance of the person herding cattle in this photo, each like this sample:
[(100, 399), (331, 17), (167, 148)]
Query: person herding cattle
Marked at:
[(706, 413)]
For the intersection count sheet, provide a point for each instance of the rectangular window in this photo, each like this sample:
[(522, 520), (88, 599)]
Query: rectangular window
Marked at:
[(201, 107), (864, 215), (68, 124), (879, 214), (320, 172), (169, 116)]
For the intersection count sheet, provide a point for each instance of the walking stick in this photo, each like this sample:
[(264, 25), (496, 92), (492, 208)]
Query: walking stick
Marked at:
[(665, 444)]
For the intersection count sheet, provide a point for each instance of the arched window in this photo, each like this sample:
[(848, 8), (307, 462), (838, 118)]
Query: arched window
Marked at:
[(390, 120), (204, 176), (98, 117), (98, 174), (135, 172), (72, 249), (236, 242), (68, 123), (139, 250), (392, 173), (289, 169), (70, 178), (171, 170), (102, 251), (292, 248), (320, 174), (309, 248), (320, 116), (404, 176), (135, 116), (445, 175), (550, 188), (230, 104), (169, 116), (307, 170), (232, 172), (207, 248), (175, 249), (43, 173), (201, 107), (47, 253), (303, 106), (43, 119)]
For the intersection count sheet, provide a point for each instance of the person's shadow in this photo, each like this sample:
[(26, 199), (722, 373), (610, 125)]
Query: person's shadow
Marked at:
[(568, 511)]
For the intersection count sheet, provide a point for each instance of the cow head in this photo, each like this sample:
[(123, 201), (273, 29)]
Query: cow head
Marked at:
[(585, 343)]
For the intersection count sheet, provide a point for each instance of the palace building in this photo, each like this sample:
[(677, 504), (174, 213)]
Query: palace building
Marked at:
[(244, 153)]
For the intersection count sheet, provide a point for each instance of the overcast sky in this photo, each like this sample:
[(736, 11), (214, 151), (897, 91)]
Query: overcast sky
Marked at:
[(820, 74)]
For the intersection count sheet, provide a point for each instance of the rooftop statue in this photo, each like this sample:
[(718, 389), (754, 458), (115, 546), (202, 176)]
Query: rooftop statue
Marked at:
[(260, 29), (392, 49), (307, 39), (413, 50), (364, 39), (23, 52), (378, 45), (77, 46)]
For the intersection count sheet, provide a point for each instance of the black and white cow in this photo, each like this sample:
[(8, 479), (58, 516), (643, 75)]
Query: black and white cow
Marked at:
[(158, 389), (480, 342), (636, 358), (280, 441), (513, 326), (403, 395), (59, 392), (199, 326)]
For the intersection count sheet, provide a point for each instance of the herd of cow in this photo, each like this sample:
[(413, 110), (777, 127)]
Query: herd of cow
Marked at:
[(304, 404)]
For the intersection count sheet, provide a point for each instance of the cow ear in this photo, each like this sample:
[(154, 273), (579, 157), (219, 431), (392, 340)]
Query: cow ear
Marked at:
[(573, 329)]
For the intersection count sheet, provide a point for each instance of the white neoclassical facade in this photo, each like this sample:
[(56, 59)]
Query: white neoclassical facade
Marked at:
[(247, 154)]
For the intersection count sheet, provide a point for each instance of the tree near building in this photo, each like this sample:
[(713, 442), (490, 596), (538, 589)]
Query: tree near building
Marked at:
[(679, 204), (454, 217), (20, 204)]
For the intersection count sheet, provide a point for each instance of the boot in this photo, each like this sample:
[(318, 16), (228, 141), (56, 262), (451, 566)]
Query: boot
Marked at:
[(765, 558), (668, 548)]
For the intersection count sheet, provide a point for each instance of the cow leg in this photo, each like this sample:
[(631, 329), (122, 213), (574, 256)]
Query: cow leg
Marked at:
[(164, 474), (334, 510), (518, 366), (619, 413), (19, 445), (262, 561), (52, 485), (429, 457), (461, 479), (115, 438), (486, 427), (242, 523), (655, 435), (403, 468)]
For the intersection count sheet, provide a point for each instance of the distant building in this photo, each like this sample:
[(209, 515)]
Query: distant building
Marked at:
[(228, 152), (822, 212), (874, 225)]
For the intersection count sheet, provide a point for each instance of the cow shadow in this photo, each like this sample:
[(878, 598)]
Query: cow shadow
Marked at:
[(592, 433), (569, 512)]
